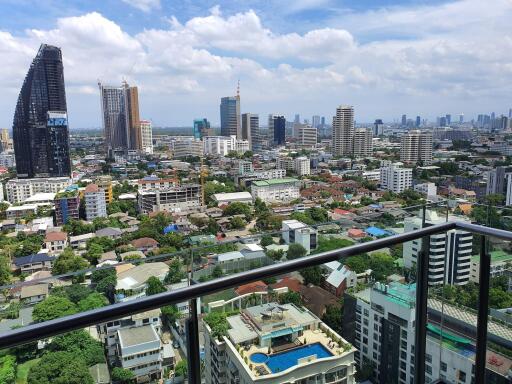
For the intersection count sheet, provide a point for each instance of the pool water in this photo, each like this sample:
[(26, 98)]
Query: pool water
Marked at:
[(279, 362)]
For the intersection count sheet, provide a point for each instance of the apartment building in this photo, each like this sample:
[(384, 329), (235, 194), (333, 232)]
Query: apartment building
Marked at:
[(273, 344), (302, 166), (173, 199), (416, 147), (276, 190), (104, 182), (501, 261), (449, 255), (151, 182), (363, 142), (380, 322), (307, 136), (299, 233), (18, 190), (187, 146), (343, 131), (394, 178), (95, 205), (67, 205), (221, 145)]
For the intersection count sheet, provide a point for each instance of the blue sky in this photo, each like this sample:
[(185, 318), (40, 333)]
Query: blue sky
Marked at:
[(291, 56)]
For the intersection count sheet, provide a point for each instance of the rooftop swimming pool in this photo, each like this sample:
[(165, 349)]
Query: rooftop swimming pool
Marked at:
[(281, 361)]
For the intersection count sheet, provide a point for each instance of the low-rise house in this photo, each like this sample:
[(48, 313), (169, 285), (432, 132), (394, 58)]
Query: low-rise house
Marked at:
[(256, 286), (132, 255), (131, 283), (80, 242), (228, 198), (108, 256), (56, 242), (100, 374), (34, 263), (145, 244), (33, 294), (139, 350), (19, 211), (110, 232), (356, 233), (340, 279), (317, 299)]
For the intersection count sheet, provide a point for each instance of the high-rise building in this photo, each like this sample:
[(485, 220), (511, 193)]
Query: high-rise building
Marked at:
[(404, 120), (230, 116), (363, 142), (496, 181), (296, 120), (416, 147), (315, 121), (277, 128), (449, 252), (461, 118), (121, 120), (302, 166), (343, 131), (418, 121), (146, 133), (251, 130), (307, 136), (5, 140), (448, 119), (394, 178), (67, 205), (378, 127), (201, 128), (40, 126)]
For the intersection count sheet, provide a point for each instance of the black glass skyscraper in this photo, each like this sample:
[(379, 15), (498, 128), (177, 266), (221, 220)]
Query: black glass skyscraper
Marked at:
[(40, 126)]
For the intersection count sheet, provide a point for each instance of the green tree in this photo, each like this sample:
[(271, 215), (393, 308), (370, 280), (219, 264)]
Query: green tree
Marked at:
[(217, 272), (80, 344), (176, 272), (333, 317), (53, 307), (328, 243), (5, 270), (122, 376), (93, 301), (7, 369), (312, 275), (171, 313), (154, 286), (296, 251), (237, 223), (266, 240), (238, 208), (67, 261), (275, 254), (181, 369), (75, 292), (290, 297), (59, 368)]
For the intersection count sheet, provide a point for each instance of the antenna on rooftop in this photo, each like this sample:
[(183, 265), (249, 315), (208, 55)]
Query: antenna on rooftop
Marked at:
[(238, 89)]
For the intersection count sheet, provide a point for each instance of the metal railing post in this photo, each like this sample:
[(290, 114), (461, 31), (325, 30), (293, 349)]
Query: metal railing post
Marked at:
[(483, 307), (194, 359), (420, 336)]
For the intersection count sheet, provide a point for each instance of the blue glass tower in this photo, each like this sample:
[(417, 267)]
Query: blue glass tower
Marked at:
[(200, 127)]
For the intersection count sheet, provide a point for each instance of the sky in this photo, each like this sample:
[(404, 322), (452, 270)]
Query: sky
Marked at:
[(384, 57)]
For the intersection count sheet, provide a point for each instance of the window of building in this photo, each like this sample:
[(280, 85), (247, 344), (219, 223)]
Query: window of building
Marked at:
[(443, 366)]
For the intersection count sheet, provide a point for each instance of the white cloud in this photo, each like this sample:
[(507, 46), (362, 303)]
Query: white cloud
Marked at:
[(184, 69), (144, 5)]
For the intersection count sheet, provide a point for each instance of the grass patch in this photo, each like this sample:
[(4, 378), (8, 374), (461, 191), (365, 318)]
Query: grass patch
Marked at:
[(22, 370)]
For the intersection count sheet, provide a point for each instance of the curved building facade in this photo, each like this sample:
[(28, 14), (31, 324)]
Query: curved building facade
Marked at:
[(40, 126)]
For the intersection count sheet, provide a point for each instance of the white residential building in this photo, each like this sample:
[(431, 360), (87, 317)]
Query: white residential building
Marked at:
[(275, 190), (394, 178), (95, 205), (302, 166), (285, 162), (299, 233), (416, 147), (371, 175), (139, 350), (146, 132), (187, 146), (307, 136), (450, 252), (363, 142), (173, 199), (222, 145), (246, 354), (18, 190), (428, 189), (383, 318)]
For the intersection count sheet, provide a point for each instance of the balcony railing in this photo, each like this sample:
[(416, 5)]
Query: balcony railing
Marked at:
[(191, 293)]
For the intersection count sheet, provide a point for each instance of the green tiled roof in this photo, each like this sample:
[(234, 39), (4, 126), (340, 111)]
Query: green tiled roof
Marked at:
[(264, 183)]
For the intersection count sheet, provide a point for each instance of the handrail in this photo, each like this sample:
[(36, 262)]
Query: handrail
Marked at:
[(115, 311)]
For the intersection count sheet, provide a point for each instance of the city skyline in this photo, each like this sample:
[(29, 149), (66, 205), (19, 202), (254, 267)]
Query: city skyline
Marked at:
[(185, 58)]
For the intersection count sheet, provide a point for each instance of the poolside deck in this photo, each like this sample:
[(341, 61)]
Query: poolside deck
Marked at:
[(309, 337)]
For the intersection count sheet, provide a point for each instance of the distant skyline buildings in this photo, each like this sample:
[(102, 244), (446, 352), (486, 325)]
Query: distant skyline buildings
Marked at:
[(277, 129), (230, 124), (40, 125), (121, 118), (201, 128), (343, 131)]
